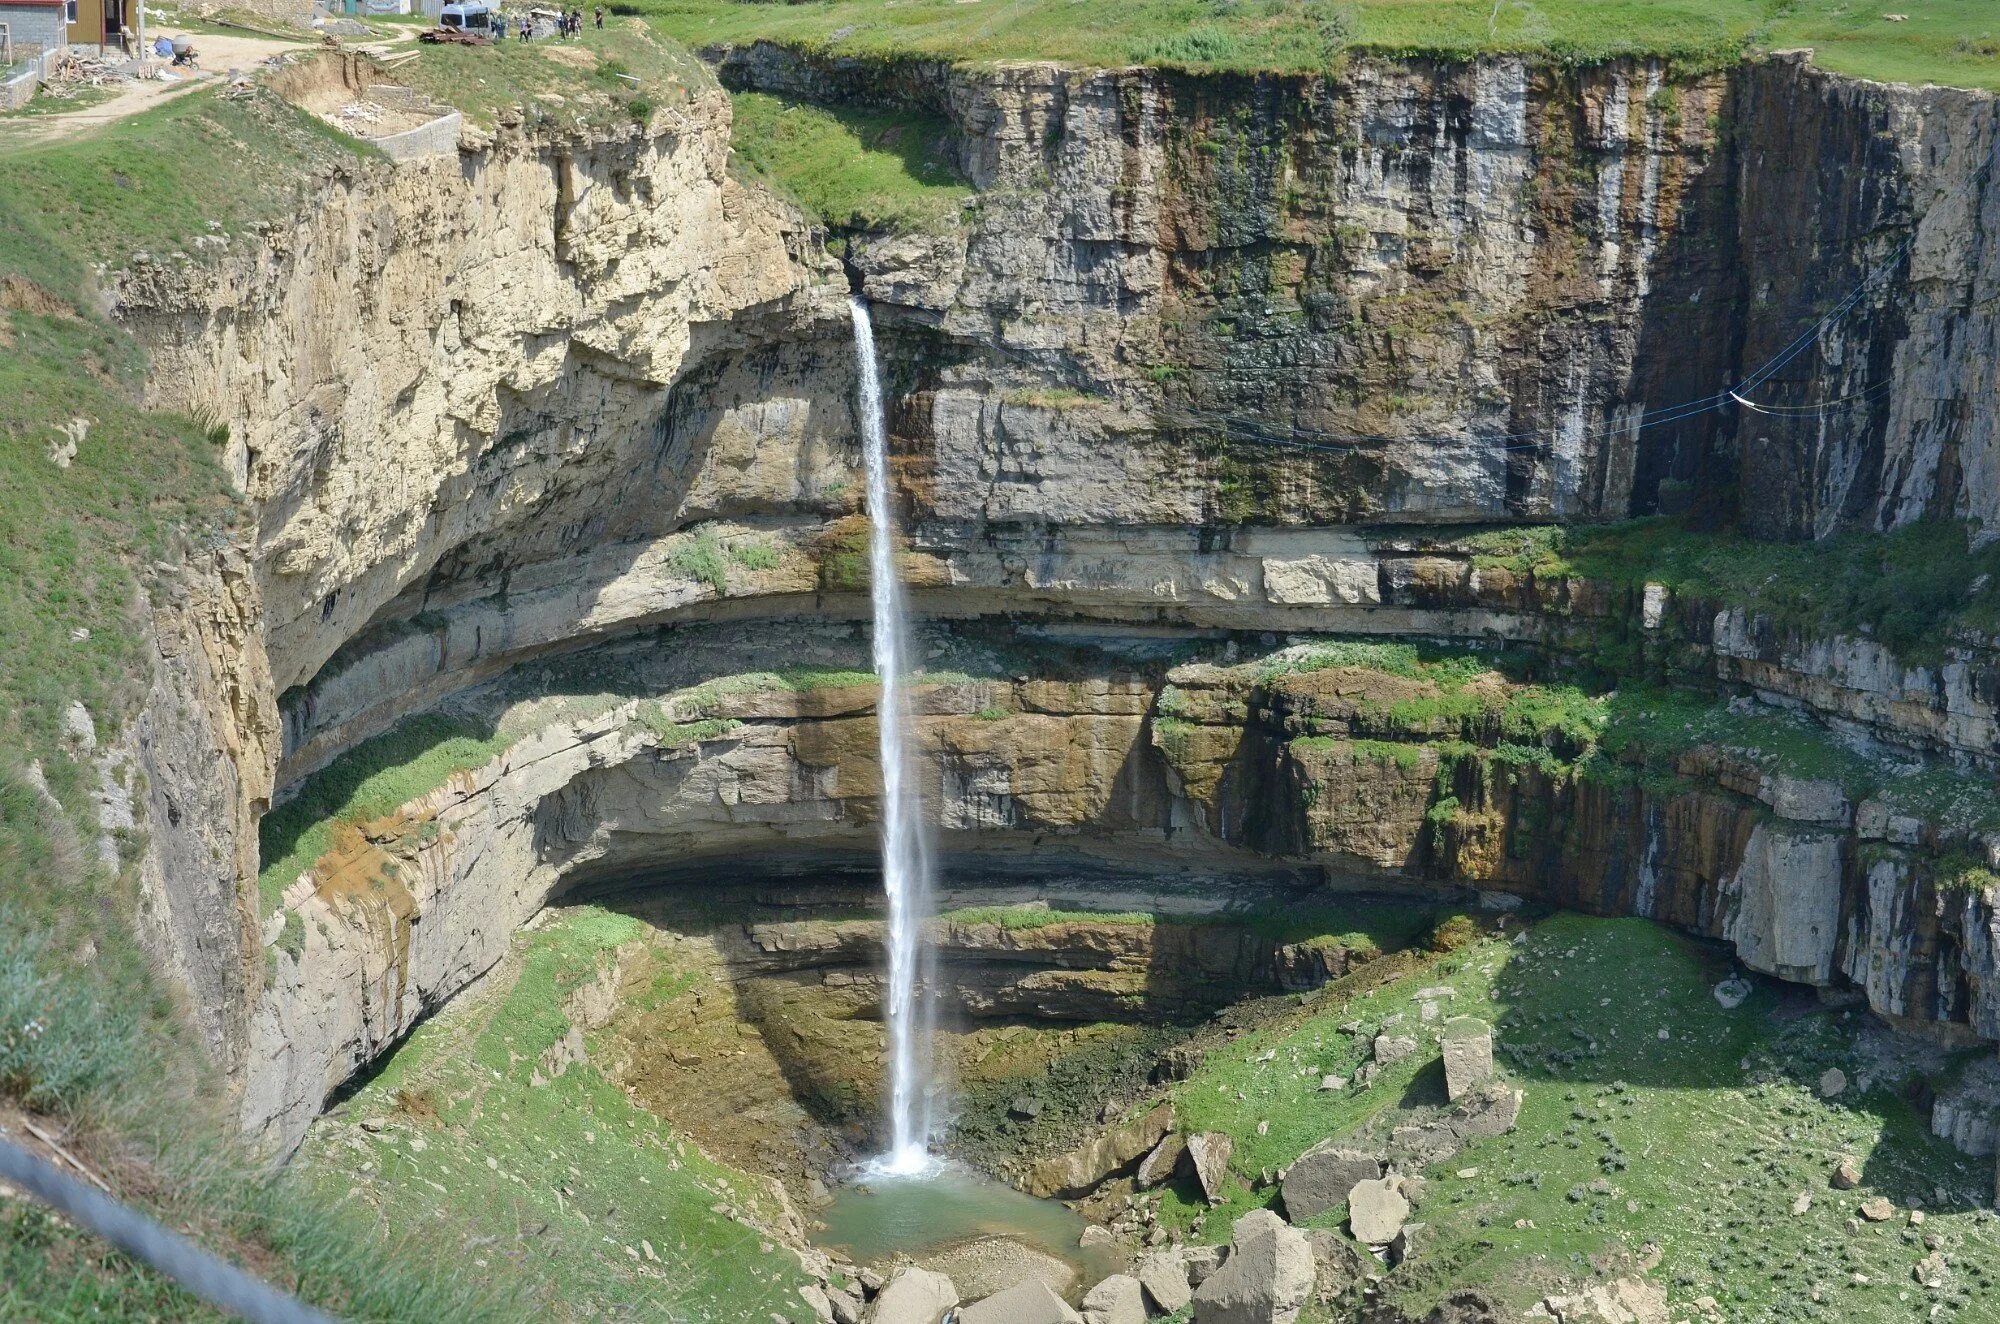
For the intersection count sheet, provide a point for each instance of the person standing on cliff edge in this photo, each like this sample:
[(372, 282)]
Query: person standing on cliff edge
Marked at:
[(598, 13)]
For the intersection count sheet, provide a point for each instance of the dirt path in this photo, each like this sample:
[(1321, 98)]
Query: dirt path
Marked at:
[(221, 56)]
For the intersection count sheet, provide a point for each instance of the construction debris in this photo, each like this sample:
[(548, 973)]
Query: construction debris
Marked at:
[(453, 37), (69, 74)]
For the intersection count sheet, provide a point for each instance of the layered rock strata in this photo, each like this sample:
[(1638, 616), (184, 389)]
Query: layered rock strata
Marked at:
[(1208, 354)]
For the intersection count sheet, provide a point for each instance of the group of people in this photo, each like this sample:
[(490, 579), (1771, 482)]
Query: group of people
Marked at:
[(568, 24)]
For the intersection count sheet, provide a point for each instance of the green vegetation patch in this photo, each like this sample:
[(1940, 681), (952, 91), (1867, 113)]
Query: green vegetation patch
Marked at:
[(854, 169), (1944, 41), (1911, 589), (567, 1181), (374, 778), (1651, 1116), (1368, 924)]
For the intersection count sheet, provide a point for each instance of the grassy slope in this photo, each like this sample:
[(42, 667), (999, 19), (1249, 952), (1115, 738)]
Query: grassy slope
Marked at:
[(581, 1189), (850, 167), (112, 1064), (1698, 1143), (1946, 41)]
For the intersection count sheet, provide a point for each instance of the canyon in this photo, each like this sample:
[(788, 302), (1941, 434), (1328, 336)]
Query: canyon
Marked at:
[(1231, 420)]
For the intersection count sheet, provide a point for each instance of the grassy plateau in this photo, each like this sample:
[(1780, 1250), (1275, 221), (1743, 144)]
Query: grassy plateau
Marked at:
[(1955, 42)]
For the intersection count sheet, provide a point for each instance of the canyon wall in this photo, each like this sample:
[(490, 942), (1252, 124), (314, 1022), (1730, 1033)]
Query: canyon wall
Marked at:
[(1441, 292), (1205, 355)]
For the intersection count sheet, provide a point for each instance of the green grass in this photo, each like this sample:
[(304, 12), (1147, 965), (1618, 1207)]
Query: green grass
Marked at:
[(89, 1038), (1654, 726), (1696, 1143), (854, 169), (366, 782), (1948, 41), (43, 104), (156, 181), (1911, 589), (569, 1182), (1028, 917), (142, 482), (1640, 729), (621, 74), (700, 557)]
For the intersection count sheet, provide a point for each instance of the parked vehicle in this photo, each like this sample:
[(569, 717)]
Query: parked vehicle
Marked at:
[(474, 16)]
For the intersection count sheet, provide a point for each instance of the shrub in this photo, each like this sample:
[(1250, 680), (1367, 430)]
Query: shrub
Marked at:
[(59, 1043)]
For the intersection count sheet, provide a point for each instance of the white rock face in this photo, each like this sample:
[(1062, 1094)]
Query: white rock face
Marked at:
[(1027, 1302), (1784, 900)]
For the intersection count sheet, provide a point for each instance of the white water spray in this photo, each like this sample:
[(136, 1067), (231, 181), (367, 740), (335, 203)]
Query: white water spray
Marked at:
[(906, 864)]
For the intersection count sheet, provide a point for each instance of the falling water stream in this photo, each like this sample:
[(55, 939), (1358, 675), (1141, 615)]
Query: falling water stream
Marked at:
[(906, 863)]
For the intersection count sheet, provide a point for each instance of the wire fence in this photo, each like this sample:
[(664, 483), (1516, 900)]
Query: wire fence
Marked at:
[(214, 1280)]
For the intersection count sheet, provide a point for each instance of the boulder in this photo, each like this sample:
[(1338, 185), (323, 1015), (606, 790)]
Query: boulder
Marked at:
[(1164, 1275), (818, 1302), (1832, 1083), (1201, 1261), (1321, 1177), (1082, 1169), (1028, 1302), (1157, 1168), (1266, 1279), (1846, 1173), (913, 1296), (1209, 1152), (846, 1306), (1392, 1048), (1621, 1301), (1376, 1210), (1877, 1209), (1490, 1110), (1468, 1055), (1405, 1243), (1117, 1300)]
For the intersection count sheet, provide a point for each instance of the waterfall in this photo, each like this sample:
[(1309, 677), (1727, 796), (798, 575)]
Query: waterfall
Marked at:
[(906, 864)]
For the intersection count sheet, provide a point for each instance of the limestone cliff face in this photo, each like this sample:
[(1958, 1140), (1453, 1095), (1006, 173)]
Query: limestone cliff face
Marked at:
[(1200, 771), (1441, 292), (523, 365), (565, 408)]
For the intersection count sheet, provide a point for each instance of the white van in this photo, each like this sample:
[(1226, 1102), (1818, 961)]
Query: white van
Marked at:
[(474, 16)]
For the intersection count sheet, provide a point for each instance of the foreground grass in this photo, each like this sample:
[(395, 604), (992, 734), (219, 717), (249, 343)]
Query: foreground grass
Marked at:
[(1696, 1143), (851, 168), (91, 1042), (568, 1181), (1945, 41)]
